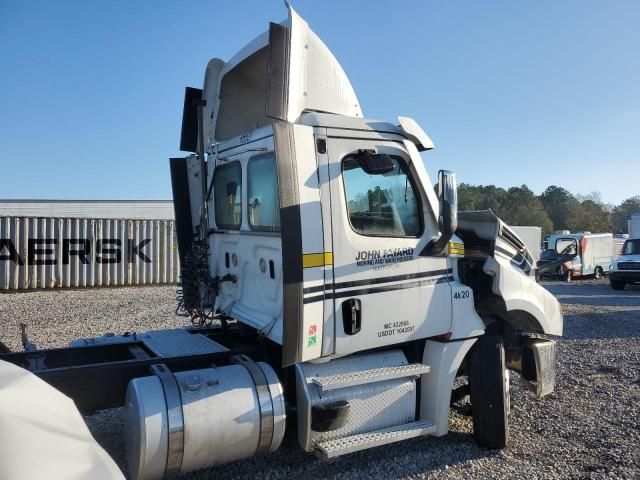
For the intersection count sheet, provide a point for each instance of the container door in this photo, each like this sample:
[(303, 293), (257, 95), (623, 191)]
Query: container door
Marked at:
[(384, 292)]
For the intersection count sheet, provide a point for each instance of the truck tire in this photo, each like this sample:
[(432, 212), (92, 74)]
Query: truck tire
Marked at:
[(597, 274), (489, 392), (617, 284)]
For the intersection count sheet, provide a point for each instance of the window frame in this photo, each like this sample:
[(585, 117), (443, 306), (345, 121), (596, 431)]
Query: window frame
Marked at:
[(629, 242), (405, 168), (257, 228), (219, 225)]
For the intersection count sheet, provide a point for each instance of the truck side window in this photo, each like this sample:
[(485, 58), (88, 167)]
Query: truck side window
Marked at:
[(227, 191), (382, 204), (262, 187)]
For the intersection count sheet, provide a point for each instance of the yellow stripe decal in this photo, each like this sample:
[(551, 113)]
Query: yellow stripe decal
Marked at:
[(456, 248), (317, 259)]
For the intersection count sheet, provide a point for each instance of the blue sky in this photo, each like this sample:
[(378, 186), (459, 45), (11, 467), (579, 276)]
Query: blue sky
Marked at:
[(536, 93)]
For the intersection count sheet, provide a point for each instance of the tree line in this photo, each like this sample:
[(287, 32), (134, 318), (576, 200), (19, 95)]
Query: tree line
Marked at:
[(555, 209)]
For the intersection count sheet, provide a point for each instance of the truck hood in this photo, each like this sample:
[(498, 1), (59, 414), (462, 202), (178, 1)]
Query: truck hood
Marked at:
[(527, 305), (629, 258)]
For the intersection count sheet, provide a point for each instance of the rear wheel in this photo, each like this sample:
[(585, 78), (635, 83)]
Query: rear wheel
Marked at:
[(597, 274), (617, 284), (489, 392)]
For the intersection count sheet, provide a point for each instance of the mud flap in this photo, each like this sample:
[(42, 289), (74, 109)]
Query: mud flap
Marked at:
[(539, 365), (489, 392)]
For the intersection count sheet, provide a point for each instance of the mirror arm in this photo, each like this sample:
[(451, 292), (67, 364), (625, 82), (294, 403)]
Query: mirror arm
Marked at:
[(547, 267), (438, 245)]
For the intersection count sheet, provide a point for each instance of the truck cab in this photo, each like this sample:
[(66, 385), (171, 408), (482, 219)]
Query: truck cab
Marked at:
[(344, 267), (626, 268)]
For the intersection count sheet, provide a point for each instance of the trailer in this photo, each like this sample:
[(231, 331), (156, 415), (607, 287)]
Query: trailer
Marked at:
[(618, 243), (335, 296), (592, 254)]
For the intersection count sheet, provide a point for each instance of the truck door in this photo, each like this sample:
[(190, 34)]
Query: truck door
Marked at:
[(384, 292), (245, 234)]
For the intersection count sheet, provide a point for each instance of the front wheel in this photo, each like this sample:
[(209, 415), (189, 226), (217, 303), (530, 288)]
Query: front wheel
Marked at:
[(489, 392), (617, 284), (597, 274)]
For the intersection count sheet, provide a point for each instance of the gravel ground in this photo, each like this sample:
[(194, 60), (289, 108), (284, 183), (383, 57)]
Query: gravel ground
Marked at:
[(588, 428)]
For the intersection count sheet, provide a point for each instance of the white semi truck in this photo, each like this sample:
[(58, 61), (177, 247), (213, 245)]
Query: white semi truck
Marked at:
[(336, 296)]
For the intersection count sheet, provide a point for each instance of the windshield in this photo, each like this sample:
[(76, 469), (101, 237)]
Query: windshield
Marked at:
[(631, 247)]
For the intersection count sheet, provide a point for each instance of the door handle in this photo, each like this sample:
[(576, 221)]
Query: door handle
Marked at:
[(352, 316)]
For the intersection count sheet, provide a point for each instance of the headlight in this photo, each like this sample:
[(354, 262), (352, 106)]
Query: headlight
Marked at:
[(612, 266)]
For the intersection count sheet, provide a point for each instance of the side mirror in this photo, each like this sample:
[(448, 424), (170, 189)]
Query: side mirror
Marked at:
[(448, 215), (566, 246)]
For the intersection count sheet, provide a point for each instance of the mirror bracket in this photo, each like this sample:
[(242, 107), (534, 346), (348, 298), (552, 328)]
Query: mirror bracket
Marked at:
[(448, 216)]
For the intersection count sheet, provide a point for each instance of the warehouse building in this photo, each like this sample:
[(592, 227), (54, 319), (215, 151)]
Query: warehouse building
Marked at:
[(86, 243)]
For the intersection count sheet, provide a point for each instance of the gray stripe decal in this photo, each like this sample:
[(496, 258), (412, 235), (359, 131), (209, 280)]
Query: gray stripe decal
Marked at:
[(373, 281), (291, 238), (373, 290), (517, 259), (504, 252)]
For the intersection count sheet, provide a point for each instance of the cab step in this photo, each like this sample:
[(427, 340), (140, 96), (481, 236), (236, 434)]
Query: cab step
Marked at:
[(343, 380), (362, 441)]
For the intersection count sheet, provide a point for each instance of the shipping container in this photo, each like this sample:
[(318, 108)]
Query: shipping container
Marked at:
[(114, 209), (86, 252)]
